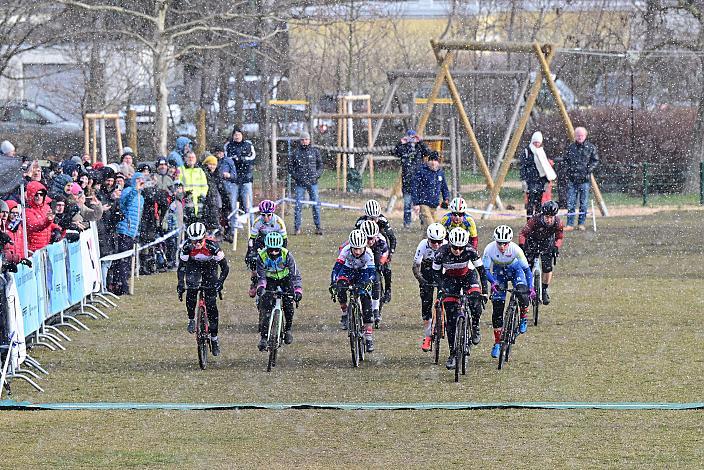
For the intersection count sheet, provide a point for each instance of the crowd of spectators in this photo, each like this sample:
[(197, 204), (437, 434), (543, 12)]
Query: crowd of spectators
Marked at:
[(131, 203)]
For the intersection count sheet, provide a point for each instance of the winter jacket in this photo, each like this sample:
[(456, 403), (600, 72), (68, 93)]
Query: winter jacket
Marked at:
[(164, 182), (177, 154), (107, 226), (15, 252), (213, 201), (131, 205), (242, 154), (57, 185), (306, 165), (38, 225), (428, 186), (194, 182), (226, 165), (530, 174), (581, 160), (411, 155)]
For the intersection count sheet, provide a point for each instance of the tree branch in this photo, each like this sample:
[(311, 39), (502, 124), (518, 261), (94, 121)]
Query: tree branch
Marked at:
[(109, 8)]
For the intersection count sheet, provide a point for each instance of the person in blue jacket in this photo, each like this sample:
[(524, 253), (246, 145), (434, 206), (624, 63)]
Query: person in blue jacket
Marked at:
[(183, 146), (429, 189), (131, 205)]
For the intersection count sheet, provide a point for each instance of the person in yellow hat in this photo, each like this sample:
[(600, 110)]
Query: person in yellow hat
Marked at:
[(212, 206)]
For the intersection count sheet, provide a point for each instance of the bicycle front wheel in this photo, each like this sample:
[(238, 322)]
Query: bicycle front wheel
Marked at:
[(506, 333), (202, 338), (538, 295), (360, 333), (460, 331), (273, 340), (437, 331), (352, 332)]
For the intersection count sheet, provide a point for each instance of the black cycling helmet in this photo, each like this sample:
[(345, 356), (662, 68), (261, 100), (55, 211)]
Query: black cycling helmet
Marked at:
[(549, 208)]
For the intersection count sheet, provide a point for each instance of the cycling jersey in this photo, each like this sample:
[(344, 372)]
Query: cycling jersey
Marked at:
[(425, 254), (466, 222), (451, 265), (537, 231), (260, 227), (507, 265), (384, 228), (282, 267), (362, 267), (209, 251)]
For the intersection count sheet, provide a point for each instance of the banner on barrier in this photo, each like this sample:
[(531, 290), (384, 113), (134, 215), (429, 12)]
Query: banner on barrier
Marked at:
[(56, 278), (89, 256), (15, 323), (39, 264), (74, 271), (26, 284)]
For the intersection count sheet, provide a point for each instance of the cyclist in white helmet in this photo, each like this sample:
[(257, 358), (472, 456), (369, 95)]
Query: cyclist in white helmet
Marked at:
[(199, 260), (380, 249), (423, 271), (372, 211), (505, 261), (458, 217)]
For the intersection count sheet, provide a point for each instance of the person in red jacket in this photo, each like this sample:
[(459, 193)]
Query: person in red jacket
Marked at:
[(13, 228), (40, 218), (543, 235)]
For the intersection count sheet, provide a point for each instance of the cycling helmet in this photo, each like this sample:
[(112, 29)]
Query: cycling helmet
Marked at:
[(503, 234), (372, 208), (458, 204), (267, 206), (196, 231), (274, 240), (436, 232), (549, 208), (370, 228), (357, 239), (458, 237)]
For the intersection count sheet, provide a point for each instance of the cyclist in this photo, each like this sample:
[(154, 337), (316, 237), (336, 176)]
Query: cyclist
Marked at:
[(423, 271), (457, 270), (508, 263), (276, 268), (458, 217), (355, 267), (372, 211), (543, 234), (380, 249), (199, 260), (265, 223)]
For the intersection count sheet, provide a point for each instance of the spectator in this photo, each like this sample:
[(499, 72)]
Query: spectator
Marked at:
[(411, 151), (71, 168), (7, 149), (127, 162), (195, 187), (11, 224), (120, 180), (213, 202), (228, 172), (67, 215), (306, 167), (183, 148), (91, 210), (131, 205), (536, 174), (107, 175), (581, 159), (242, 154), (164, 182), (172, 221), (60, 186), (40, 218), (107, 226), (428, 185)]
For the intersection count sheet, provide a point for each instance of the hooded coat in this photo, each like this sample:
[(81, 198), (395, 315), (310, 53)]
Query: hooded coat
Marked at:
[(39, 226), (177, 153), (57, 185), (15, 252), (131, 205)]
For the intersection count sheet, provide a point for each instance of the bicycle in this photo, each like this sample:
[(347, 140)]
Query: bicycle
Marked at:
[(355, 324), (510, 329), (462, 344), (276, 321), (203, 342), (537, 283), (438, 326), (382, 289)]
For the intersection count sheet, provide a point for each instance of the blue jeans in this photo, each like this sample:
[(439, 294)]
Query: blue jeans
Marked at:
[(574, 191), (312, 196), (243, 190), (407, 207)]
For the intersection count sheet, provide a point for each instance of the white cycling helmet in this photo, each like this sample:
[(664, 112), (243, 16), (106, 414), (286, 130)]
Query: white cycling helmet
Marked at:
[(357, 239), (370, 228), (196, 231), (436, 232), (458, 204), (503, 234), (372, 208), (458, 237)]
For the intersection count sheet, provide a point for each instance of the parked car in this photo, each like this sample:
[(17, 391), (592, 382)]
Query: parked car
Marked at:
[(37, 131)]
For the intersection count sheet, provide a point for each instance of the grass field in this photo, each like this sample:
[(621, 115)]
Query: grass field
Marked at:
[(624, 325)]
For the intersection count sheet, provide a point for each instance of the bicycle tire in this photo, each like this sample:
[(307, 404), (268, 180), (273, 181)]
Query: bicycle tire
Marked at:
[(537, 274), (381, 299), (437, 331), (513, 331), (201, 338), (352, 333), (459, 349), (506, 335), (465, 344), (273, 340), (360, 334)]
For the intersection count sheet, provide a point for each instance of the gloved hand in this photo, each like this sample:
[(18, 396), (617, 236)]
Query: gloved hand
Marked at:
[(180, 290), (260, 291), (297, 296), (445, 204), (495, 287), (333, 293), (219, 285), (532, 293)]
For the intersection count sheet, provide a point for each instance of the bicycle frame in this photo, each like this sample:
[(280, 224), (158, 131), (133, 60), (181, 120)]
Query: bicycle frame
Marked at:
[(202, 335)]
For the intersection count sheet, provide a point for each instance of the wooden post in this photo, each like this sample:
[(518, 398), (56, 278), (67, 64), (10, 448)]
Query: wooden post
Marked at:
[(118, 131), (453, 157), (518, 133), (200, 132), (95, 141), (439, 79), (274, 160), (370, 143), (86, 136), (132, 129)]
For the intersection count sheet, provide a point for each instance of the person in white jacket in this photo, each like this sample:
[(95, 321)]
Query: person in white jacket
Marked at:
[(536, 173)]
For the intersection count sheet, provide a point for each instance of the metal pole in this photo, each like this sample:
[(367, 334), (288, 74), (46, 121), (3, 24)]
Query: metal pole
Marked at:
[(23, 201), (134, 266), (453, 157), (646, 177)]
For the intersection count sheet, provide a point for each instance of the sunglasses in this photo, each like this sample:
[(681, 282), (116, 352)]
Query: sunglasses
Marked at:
[(502, 243), (267, 214), (458, 214), (435, 242), (457, 248)]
